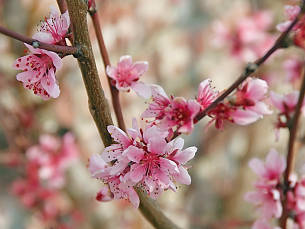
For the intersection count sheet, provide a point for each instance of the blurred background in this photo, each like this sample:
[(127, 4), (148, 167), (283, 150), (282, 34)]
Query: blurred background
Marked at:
[(185, 42)]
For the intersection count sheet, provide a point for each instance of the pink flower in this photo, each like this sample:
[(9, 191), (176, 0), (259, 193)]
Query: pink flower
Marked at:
[(286, 104), (39, 68), (248, 37), (127, 74), (53, 157), (143, 159), (291, 12), (245, 106), (171, 113), (293, 68), (206, 95), (54, 29), (267, 193)]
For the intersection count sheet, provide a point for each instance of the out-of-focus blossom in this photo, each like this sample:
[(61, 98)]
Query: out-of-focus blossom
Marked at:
[(127, 74), (293, 68), (286, 105), (245, 106), (44, 174), (267, 193), (248, 37), (91, 3), (299, 29), (142, 159), (39, 68), (54, 29), (171, 113)]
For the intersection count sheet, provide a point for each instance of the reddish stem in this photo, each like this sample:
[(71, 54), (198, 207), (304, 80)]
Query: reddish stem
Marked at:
[(291, 152), (114, 91), (65, 50)]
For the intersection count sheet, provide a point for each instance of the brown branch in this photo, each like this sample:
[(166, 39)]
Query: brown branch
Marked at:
[(62, 5), (98, 104), (293, 127), (65, 50), (114, 91)]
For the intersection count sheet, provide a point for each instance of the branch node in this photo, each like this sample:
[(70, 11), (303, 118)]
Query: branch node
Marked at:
[(250, 68), (35, 44), (79, 53)]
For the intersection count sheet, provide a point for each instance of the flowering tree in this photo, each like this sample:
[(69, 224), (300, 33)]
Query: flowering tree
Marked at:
[(138, 164)]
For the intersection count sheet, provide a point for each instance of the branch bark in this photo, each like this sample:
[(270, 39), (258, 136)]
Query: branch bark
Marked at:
[(98, 104)]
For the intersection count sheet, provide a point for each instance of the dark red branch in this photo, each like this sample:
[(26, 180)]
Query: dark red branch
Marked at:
[(291, 152), (114, 91), (65, 50)]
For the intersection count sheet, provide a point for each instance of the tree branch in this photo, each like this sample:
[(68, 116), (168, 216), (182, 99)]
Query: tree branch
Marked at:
[(291, 152), (97, 102), (114, 91), (65, 50)]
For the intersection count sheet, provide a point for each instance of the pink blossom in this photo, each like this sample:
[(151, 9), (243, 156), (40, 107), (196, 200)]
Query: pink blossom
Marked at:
[(127, 74), (54, 29), (245, 106), (53, 157), (286, 105), (141, 158), (39, 68), (206, 95), (171, 113), (248, 37), (293, 68), (290, 12), (266, 193)]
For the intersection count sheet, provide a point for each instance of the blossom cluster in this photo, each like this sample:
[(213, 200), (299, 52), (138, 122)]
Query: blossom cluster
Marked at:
[(140, 159), (39, 66), (46, 164), (270, 189)]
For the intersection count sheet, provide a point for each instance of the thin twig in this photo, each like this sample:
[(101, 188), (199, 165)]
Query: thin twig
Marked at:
[(98, 104), (291, 152), (114, 91), (65, 50)]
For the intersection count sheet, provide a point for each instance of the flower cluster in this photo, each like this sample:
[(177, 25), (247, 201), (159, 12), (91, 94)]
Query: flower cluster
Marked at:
[(44, 174), (248, 38), (245, 106), (299, 29), (286, 105), (39, 67), (171, 113), (143, 159), (269, 192)]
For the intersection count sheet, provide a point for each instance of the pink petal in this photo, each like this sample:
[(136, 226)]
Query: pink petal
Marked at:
[(125, 62), (185, 155), (183, 176), (134, 154), (43, 37), (96, 165), (257, 89), (27, 77), (112, 152), (139, 68), (257, 166), (142, 89), (111, 72), (50, 85), (260, 108), (277, 101), (119, 136), (244, 117), (134, 198), (275, 162), (137, 172), (157, 145)]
